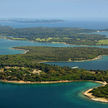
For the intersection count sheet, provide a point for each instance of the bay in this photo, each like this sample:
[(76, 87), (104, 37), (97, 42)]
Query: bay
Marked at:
[(64, 95)]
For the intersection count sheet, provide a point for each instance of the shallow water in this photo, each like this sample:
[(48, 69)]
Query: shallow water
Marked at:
[(64, 95)]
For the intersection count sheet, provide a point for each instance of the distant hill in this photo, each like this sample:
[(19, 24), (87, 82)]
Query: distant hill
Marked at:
[(22, 20)]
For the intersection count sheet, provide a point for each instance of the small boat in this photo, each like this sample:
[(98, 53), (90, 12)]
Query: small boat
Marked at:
[(75, 67), (98, 31)]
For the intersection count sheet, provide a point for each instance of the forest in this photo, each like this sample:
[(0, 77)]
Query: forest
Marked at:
[(26, 67), (44, 72), (43, 54), (101, 91)]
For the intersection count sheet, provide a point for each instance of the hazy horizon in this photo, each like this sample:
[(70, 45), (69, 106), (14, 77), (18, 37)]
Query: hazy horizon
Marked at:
[(54, 9), (68, 19)]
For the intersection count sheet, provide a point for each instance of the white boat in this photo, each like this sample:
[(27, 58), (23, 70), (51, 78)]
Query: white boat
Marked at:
[(75, 67), (98, 31)]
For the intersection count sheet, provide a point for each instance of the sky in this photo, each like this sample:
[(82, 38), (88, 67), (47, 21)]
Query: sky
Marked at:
[(55, 9)]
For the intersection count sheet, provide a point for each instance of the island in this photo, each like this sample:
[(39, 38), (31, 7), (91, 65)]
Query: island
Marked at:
[(31, 20), (75, 36)]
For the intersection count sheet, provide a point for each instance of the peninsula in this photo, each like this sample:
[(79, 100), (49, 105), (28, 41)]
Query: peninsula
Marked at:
[(99, 94)]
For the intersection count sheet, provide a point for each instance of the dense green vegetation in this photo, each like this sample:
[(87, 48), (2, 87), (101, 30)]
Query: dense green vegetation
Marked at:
[(59, 53), (101, 91), (26, 67), (46, 72), (103, 42), (67, 35)]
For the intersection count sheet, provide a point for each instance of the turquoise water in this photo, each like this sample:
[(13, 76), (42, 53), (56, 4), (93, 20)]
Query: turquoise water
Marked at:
[(64, 95)]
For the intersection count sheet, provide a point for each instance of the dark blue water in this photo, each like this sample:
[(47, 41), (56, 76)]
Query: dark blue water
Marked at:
[(66, 23), (101, 64), (101, 33), (65, 95)]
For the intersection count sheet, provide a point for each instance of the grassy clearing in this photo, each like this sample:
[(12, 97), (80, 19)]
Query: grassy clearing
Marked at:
[(103, 42)]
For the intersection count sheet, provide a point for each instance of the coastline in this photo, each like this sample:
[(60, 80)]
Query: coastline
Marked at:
[(94, 98), (48, 82), (37, 82), (96, 58)]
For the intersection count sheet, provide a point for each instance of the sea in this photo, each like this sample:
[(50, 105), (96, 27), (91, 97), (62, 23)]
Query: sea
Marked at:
[(61, 95)]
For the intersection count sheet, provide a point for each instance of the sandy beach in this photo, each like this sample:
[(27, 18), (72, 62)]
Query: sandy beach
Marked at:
[(37, 82), (46, 82), (96, 58), (92, 97)]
